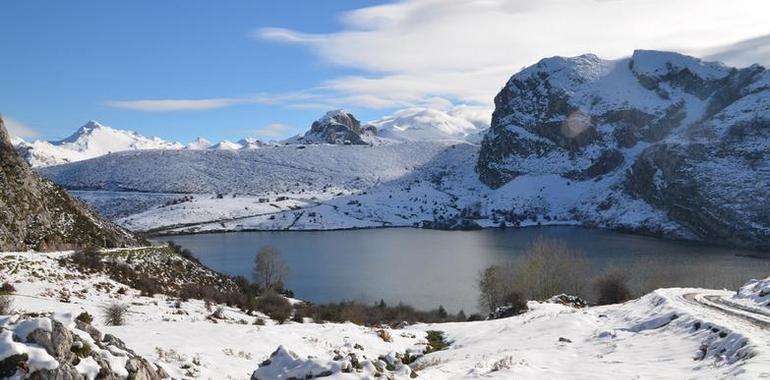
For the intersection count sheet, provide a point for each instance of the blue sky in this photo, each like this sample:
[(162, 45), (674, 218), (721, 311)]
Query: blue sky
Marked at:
[(231, 69), (63, 60)]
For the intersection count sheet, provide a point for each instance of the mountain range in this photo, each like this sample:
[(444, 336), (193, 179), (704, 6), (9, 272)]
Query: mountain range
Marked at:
[(94, 139), (657, 143)]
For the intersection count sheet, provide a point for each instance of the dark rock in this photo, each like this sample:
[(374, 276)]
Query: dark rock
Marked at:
[(36, 214), (338, 127)]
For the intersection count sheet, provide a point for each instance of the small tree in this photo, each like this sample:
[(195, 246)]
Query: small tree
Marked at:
[(269, 268), (492, 288)]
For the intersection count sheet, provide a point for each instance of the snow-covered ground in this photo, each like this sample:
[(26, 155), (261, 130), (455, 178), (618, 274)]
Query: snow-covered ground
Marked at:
[(668, 334)]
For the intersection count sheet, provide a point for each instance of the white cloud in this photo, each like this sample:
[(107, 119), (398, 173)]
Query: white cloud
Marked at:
[(160, 105), (465, 50), (19, 129), (164, 105), (272, 130)]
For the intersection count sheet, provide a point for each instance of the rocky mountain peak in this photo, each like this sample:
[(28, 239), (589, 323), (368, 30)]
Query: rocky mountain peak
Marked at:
[(338, 127), (35, 213)]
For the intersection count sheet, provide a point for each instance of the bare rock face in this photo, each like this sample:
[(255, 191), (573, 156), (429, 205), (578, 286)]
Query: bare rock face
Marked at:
[(36, 214), (338, 127), (691, 139)]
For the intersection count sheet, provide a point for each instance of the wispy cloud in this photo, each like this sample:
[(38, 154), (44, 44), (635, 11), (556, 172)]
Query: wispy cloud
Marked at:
[(465, 50), (19, 129), (272, 130), (161, 105), (298, 98)]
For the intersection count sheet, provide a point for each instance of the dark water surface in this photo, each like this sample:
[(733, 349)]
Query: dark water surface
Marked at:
[(427, 268)]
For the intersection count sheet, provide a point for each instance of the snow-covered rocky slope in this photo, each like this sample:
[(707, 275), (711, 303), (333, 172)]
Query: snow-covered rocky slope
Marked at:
[(686, 138), (667, 334), (658, 143)]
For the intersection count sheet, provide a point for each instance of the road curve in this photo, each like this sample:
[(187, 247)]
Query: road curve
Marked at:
[(716, 302)]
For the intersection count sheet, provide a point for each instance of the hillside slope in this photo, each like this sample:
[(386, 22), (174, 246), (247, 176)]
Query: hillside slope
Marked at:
[(35, 213)]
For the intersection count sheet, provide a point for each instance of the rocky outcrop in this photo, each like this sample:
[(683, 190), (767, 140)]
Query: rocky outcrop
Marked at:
[(52, 351), (36, 214), (338, 127), (691, 139)]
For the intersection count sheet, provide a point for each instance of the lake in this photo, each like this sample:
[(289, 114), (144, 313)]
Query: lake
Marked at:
[(427, 268)]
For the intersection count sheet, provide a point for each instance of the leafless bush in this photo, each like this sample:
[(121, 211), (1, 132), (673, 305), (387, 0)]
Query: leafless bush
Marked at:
[(114, 314), (275, 306), (549, 267), (7, 288), (612, 287), (88, 258)]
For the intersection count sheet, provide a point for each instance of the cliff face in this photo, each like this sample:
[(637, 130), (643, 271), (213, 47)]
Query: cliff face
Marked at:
[(689, 138), (36, 214)]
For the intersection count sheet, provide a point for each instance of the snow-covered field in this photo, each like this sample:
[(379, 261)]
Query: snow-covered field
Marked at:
[(668, 334)]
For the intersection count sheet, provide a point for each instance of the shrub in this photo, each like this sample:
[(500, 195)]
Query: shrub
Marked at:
[(114, 314), (81, 349), (88, 258), (219, 313), (85, 317), (7, 288), (184, 252), (147, 286), (612, 288), (275, 306), (436, 341), (6, 305), (384, 335), (513, 304)]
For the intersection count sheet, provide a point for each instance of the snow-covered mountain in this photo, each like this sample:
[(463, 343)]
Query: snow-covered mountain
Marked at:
[(89, 141), (688, 139), (226, 145), (657, 143), (428, 124)]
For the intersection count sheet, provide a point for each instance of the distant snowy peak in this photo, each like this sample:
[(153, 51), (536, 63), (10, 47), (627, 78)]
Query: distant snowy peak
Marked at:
[(251, 143), (337, 127), (426, 124), (199, 144), (89, 141), (226, 145)]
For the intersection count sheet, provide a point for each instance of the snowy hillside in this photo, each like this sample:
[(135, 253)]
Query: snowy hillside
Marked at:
[(89, 141), (667, 334)]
